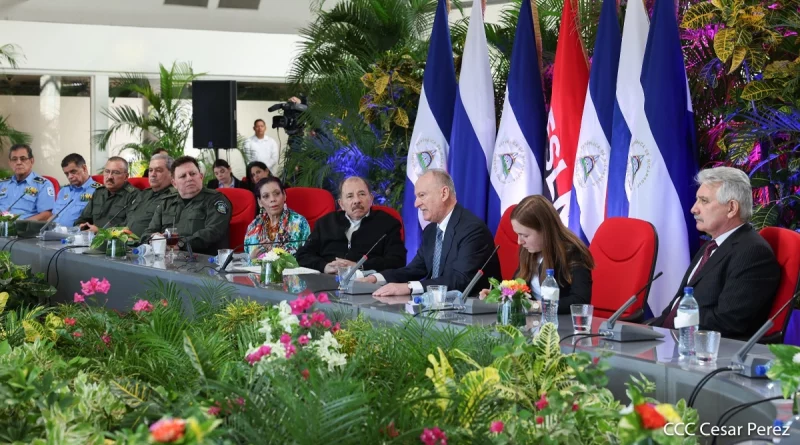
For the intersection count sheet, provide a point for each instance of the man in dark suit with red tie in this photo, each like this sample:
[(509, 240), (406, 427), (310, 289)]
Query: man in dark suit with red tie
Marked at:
[(734, 275)]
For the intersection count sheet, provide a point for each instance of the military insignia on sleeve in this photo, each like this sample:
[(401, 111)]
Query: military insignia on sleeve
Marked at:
[(3, 191), (96, 185), (39, 180), (222, 208), (66, 196), (51, 191)]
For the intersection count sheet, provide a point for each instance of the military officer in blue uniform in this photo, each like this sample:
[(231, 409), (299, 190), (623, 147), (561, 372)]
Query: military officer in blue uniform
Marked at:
[(72, 198), (25, 193)]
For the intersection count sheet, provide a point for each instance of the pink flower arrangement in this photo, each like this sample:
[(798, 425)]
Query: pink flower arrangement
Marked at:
[(95, 285), (69, 321), (542, 403), (496, 427), (143, 306), (303, 340), (214, 410), (78, 298), (290, 350), (539, 420), (77, 334), (433, 436), (286, 338), (336, 328), (168, 430), (256, 356)]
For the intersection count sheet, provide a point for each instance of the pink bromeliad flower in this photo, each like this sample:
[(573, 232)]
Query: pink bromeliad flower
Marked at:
[(95, 285), (286, 338), (303, 340), (143, 306), (433, 436), (323, 298), (290, 350), (78, 298), (69, 321), (496, 427)]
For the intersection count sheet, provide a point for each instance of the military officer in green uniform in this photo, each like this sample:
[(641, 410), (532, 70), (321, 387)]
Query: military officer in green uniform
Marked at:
[(141, 213), (111, 203), (202, 216)]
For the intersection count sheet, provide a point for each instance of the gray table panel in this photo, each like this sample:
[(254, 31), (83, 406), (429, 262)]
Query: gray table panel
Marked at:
[(657, 360)]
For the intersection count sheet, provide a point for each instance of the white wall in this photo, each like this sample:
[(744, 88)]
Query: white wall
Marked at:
[(63, 127), (69, 48)]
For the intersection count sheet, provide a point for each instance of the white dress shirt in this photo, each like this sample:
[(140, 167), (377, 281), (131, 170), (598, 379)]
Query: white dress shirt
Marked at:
[(265, 150), (416, 286), (354, 225)]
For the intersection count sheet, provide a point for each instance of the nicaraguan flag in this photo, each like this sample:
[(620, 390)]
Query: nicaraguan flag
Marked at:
[(629, 104), (594, 144), (518, 159), (662, 158), (474, 127), (430, 140)]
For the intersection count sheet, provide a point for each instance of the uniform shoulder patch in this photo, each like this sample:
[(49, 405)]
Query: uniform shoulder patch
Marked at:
[(130, 188), (39, 180), (51, 191), (97, 185), (221, 207)]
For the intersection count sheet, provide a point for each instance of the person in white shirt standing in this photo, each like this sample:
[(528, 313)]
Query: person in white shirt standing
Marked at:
[(261, 147)]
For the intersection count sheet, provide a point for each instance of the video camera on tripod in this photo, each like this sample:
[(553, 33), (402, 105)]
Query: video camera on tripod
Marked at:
[(291, 113)]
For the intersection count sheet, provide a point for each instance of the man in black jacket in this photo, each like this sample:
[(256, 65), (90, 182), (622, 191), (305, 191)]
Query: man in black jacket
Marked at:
[(735, 275), (341, 238), (454, 245)]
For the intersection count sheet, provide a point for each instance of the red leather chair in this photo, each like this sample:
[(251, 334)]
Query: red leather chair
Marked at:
[(786, 245), (396, 215), (624, 252), (56, 187), (99, 178), (312, 203), (244, 212), (140, 183), (508, 253)]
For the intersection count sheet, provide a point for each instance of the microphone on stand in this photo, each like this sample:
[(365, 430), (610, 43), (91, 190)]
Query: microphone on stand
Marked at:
[(112, 218), (477, 277), (625, 332), (54, 216), (362, 260), (15, 202), (266, 243), (752, 366)]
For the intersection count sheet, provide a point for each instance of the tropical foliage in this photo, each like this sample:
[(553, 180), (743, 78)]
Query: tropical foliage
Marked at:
[(205, 368), (24, 288), (167, 118), (9, 55)]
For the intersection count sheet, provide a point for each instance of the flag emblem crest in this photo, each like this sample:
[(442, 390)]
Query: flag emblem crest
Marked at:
[(509, 161), (426, 154), (592, 165), (638, 166)]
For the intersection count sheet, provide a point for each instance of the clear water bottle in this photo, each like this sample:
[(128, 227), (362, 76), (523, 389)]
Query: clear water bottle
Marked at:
[(550, 294), (687, 320), (424, 299), (143, 250)]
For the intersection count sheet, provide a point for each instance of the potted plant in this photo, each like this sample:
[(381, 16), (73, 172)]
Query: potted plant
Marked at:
[(8, 226), (273, 263), (115, 239), (515, 299)]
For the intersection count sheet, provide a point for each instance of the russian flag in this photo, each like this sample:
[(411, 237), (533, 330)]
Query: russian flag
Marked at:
[(430, 140), (662, 158), (474, 126), (629, 104), (518, 159), (594, 145), (570, 79)]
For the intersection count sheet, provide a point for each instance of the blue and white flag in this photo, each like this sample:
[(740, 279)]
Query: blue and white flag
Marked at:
[(474, 126), (430, 140), (629, 105), (518, 159), (594, 144), (662, 158)]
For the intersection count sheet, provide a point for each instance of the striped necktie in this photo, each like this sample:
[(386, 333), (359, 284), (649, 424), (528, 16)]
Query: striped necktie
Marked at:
[(437, 252)]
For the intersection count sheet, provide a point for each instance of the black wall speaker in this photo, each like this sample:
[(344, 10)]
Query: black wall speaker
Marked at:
[(214, 113)]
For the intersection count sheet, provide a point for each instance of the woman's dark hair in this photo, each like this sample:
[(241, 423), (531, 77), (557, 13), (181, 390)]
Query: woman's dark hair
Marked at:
[(561, 249), (266, 181), (222, 163), (258, 164)]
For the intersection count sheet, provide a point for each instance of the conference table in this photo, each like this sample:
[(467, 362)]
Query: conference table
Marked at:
[(657, 360)]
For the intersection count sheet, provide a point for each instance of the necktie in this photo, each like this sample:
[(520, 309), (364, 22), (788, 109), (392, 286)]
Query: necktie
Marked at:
[(669, 322), (437, 253)]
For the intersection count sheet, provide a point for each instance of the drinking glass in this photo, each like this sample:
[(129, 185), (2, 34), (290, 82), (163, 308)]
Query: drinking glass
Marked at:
[(438, 295), (582, 317), (706, 343), (222, 256), (343, 272), (171, 234)]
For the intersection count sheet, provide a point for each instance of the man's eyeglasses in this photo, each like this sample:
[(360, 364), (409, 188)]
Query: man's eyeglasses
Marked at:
[(112, 172), (22, 159)]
